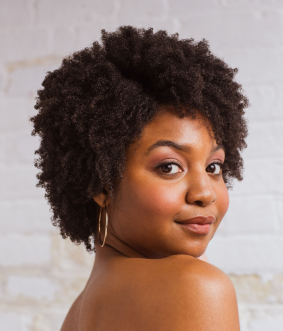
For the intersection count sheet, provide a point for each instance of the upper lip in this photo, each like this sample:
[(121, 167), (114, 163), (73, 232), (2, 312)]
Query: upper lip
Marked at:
[(199, 220)]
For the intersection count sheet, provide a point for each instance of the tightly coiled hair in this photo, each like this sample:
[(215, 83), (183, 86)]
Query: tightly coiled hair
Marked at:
[(99, 100)]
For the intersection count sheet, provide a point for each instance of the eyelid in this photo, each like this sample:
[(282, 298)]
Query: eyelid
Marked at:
[(216, 162), (169, 162), (163, 163), (220, 163), (166, 163)]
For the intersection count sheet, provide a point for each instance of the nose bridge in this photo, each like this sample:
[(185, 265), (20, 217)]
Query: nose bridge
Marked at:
[(200, 189)]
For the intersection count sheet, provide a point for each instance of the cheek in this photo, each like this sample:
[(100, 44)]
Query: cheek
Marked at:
[(222, 201), (162, 201), (154, 200)]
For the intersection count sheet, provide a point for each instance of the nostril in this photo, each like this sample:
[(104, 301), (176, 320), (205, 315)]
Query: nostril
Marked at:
[(202, 199), (200, 191)]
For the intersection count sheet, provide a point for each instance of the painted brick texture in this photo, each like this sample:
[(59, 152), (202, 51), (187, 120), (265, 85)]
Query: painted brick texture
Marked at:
[(41, 274)]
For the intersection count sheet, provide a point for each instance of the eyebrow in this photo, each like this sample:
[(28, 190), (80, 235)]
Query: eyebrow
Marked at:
[(180, 147)]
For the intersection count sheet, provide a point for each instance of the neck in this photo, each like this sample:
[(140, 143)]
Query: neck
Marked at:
[(114, 247)]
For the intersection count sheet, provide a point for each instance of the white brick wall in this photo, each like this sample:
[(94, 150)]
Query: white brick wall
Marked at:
[(40, 274), (15, 322), (23, 249), (38, 288)]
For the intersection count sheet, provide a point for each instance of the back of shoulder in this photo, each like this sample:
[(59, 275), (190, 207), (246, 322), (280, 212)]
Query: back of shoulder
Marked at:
[(201, 296)]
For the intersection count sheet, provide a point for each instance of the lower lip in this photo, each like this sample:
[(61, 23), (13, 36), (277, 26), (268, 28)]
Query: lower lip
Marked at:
[(198, 228)]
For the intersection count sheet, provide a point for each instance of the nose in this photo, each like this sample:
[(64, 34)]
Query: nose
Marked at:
[(200, 190)]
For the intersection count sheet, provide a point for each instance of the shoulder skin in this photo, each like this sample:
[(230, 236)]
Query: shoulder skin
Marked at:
[(199, 296)]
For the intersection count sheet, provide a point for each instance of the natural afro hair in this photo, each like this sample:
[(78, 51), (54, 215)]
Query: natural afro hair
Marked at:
[(99, 100)]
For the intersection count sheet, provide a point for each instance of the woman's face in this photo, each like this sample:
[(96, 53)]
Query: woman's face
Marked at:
[(164, 185)]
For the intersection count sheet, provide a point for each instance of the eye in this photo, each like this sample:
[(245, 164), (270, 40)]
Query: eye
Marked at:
[(214, 168), (166, 168)]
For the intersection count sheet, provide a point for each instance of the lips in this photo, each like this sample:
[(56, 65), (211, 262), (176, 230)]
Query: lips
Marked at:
[(198, 224)]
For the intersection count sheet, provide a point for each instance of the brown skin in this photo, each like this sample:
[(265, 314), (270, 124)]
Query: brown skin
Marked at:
[(148, 275)]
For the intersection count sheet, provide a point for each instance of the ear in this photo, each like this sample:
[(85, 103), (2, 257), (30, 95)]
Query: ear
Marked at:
[(101, 198)]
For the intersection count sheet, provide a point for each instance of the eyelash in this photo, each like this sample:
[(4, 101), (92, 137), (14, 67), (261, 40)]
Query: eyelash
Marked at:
[(167, 163)]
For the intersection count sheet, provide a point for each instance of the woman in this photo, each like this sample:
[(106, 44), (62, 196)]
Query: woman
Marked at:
[(140, 139)]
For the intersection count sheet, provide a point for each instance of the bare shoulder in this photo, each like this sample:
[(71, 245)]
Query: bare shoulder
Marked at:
[(177, 293), (192, 269), (199, 296), (71, 320)]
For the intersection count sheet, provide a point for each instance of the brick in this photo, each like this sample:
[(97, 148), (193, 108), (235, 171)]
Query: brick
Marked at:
[(265, 139), (257, 312), (20, 148), (3, 149), (26, 80), (255, 3), (263, 102), (136, 9), (229, 29), (15, 113), (247, 254), (91, 11), (274, 4), (2, 82), (261, 176), (157, 23), (252, 315), (70, 257), (64, 41), (2, 285), (243, 326), (277, 109), (22, 44), (244, 316), (274, 324), (45, 321), (24, 250), (185, 8), (279, 212), (14, 13), (248, 216), (15, 322), (25, 216), (18, 182), (87, 35), (261, 65), (253, 289), (64, 13), (32, 287)]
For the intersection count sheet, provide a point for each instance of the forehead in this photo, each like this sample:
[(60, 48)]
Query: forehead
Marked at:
[(167, 125)]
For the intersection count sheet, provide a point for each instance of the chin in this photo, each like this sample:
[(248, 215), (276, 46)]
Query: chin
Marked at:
[(196, 251)]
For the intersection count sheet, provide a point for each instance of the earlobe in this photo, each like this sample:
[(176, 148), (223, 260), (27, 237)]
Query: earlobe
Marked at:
[(101, 198)]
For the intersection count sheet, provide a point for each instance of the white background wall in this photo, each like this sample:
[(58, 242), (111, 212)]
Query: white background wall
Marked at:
[(41, 274)]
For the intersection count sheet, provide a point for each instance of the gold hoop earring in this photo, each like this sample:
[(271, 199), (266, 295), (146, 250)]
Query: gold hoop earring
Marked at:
[(105, 234)]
